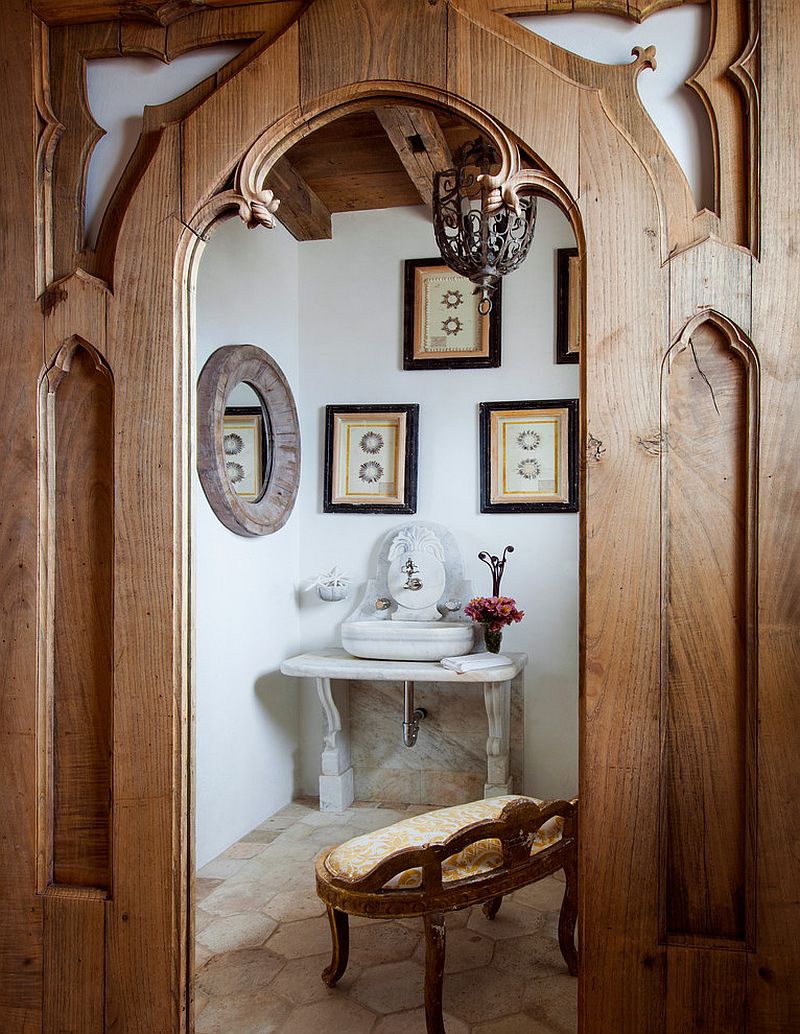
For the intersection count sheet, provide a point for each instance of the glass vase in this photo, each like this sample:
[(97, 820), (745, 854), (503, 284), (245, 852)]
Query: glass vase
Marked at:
[(492, 640)]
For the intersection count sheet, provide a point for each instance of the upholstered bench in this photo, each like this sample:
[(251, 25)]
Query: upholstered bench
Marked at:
[(446, 860)]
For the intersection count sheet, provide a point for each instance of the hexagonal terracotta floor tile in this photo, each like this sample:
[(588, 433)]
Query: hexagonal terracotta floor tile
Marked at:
[(372, 944), (553, 1002), (391, 987), (240, 931), (239, 972), (465, 949), (487, 995), (519, 1023), (300, 980), (513, 920), (299, 939), (233, 898), (414, 1023), (260, 1013), (544, 895), (529, 958), (297, 903), (331, 1015)]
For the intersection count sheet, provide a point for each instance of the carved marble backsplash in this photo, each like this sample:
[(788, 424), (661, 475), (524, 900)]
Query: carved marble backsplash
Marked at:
[(447, 765)]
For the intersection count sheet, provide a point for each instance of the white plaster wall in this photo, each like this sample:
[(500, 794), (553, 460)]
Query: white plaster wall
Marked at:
[(351, 352), (246, 617)]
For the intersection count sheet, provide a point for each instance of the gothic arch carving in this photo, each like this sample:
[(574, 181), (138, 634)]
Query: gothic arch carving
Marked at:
[(709, 457)]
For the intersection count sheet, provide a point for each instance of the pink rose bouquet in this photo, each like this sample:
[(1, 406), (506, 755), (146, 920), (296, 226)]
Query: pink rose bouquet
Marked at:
[(494, 611)]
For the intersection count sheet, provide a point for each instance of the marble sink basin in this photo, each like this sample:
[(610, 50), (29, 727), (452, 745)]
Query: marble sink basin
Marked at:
[(407, 640)]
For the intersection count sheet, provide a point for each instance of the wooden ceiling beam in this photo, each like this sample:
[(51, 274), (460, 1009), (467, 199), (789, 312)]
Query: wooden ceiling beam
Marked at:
[(301, 211), (417, 137)]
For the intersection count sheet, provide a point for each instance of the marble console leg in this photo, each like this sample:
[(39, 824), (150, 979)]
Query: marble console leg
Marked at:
[(336, 781), (497, 696)]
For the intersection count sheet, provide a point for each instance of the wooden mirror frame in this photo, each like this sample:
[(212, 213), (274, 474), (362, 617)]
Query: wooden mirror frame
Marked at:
[(224, 369)]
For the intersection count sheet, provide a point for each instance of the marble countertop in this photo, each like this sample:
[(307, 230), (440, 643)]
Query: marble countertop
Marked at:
[(336, 663)]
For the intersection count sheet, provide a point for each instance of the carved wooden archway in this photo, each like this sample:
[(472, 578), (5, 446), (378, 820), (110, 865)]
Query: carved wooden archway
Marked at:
[(729, 959)]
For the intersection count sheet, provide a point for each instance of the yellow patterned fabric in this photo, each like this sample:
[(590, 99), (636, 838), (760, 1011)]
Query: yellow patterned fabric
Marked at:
[(354, 859)]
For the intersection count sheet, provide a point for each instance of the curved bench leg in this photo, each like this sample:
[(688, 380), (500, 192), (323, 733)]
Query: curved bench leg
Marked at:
[(340, 937), (492, 906), (434, 972), (568, 917)]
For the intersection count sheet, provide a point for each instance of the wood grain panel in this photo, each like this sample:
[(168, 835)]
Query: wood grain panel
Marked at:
[(774, 970), (227, 122), (623, 969), (81, 454), (497, 74), (374, 40), (146, 923), (20, 367), (707, 434), (251, 20), (710, 275), (705, 991), (74, 954)]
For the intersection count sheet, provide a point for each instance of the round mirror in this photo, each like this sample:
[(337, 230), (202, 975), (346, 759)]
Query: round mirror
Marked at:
[(248, 440)]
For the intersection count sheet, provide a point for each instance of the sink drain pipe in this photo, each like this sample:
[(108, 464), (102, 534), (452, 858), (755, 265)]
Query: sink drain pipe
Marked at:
[(411, 716)]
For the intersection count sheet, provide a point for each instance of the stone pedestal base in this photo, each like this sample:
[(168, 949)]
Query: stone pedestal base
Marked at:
[(336, 791)]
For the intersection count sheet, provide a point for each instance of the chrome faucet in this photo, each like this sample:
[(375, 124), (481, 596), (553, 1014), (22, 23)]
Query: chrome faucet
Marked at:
[(410, 569)]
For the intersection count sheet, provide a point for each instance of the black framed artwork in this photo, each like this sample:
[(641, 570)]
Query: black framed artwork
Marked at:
[(568, 305), (442, 328), (371, 459), (529, 456)]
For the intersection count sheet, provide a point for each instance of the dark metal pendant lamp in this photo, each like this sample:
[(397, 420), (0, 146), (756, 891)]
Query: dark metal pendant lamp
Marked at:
[(478, 244)]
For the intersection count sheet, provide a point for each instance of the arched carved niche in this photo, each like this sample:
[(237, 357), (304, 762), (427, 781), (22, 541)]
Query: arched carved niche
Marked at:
[(709, 450), (76, 669)]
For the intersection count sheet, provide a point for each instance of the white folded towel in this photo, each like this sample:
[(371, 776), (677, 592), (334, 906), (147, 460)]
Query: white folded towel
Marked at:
[(475, 662)]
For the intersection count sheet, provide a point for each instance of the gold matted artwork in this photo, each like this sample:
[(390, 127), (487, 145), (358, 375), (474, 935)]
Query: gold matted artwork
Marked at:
[(442, 326), (244, 444), (569, 306), (529, 456), (371, 459)]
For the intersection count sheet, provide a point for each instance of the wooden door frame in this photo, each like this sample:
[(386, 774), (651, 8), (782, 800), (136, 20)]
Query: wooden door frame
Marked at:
[(124, 299)]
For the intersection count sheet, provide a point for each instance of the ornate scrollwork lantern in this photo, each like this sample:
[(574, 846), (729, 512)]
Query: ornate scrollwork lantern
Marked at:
[(479, 243)]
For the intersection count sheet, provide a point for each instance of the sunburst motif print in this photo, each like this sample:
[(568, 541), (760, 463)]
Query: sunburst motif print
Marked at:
[(235, 472), (529, 440), (451, 299), (529, 469), (371, 471), (452, 325), (232, 443), (371, 442)]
